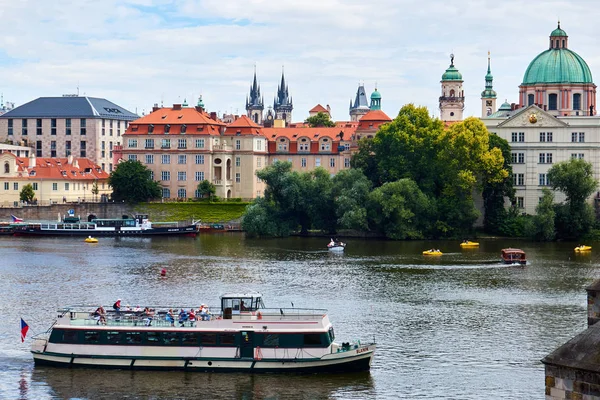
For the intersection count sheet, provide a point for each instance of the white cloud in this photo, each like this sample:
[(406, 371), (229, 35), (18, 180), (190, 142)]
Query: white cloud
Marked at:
[(138, 52)]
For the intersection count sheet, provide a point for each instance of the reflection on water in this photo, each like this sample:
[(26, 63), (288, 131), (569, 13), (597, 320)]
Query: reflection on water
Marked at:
[(457, 326)]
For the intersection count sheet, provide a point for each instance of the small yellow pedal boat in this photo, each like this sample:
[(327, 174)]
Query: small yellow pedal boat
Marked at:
[(468, 244), (583, 247), (90, 239), (432, 252)]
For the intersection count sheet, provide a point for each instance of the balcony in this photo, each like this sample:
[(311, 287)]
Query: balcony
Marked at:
[(452, 99), (221, 182), (222, 147)]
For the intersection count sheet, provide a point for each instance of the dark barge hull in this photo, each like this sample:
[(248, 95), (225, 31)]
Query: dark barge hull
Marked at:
[(173, 231)]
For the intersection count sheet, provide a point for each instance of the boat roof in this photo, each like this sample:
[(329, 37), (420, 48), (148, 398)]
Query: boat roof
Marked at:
[(511, 250), (239, 294)]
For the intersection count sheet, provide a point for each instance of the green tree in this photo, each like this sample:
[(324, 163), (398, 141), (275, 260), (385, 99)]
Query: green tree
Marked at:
[(321, 119), (575, 178), (542, 227), (27, 194), (259, 220), (131, 182), (350, 191), (95, 190), (495, 193), (400, 210), (206, 189)]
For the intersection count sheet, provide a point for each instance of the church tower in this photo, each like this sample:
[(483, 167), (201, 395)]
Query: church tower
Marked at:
[(488, 96), (255, 103), (375, 100), (452, 100), (360, 106), (282, 104)]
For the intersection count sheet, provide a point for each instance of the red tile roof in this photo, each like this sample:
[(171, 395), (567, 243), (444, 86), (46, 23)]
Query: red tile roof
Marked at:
[(243, 126), (59, 168), (313, 133), (318, 108), (196, 121), (376, 115)]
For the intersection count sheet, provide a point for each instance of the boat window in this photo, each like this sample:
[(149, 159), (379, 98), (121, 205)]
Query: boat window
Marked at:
[(226, 338), (189, 338), (331, 334), (170, 338), (312, 339), (208, 339), (153, 338), (271, 340), (56, 336), (91, 337), (113, 337), (70, 336), (133, 337)]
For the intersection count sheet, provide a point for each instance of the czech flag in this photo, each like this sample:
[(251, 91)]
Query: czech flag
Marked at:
[(16, 219), (24, 329)]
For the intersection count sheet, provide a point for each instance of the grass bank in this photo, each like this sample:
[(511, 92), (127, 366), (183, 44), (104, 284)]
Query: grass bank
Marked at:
[(204, 211)]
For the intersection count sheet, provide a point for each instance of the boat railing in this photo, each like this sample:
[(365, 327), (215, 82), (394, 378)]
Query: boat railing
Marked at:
[(68, 226)]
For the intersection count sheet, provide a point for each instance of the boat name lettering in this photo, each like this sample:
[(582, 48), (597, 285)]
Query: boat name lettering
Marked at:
[(358, 351), (247, 326)]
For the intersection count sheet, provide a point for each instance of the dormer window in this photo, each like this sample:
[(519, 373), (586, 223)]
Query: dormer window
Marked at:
[(183, 128), (325, 145), (167, 128), (32, 173), (179, 116), (6, 168), (150, 128), (164, 116), (64, 173), (304, 144), (282, 145)]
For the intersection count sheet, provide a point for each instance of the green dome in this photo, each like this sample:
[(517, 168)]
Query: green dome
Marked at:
[(488, 94), (557, 66), (505, 106), (558, 32), (452, 74), (375, 94)]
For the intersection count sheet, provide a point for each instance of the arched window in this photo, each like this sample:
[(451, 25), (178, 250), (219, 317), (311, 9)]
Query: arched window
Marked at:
[(563, 43), (577, 101), (552, 101), (6, 168), (530, 99), (452, 93)]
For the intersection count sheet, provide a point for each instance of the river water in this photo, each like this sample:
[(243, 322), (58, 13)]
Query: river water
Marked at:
[(461, 326)]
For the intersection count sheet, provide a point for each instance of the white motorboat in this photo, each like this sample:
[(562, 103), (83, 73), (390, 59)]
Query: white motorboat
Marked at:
[(335, 245)]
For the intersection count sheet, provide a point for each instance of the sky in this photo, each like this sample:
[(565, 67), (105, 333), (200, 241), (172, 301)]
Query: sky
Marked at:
[(139, 52)]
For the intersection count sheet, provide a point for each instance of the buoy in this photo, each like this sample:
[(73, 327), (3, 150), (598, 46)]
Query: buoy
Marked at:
[(163, 272)]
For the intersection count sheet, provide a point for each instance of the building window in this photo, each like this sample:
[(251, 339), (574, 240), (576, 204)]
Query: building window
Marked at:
[(574, 137), (530, 99), (53, 148), (24, 127), (165, 159), (16, 185), (182, 144), (581, 137), (303, 145), (545, 136), (346, 163), (35, 186), (149, 143), (182, 193), (68, 126), (259, 162), (67, 148), (181, 176), (53, 127), (303, 162), (183, 128), (82, 126), (325, 145), (10, 127), (199, 159), (238, 177), (165, 176), (6, 185), (544, 180), (38, 148), (199, 143), (182, 159), (238, 162), (521, 137), (151, 174), (577, 101), (38, 126), (66, 186), (165, 144), (166, 193), (552, 101), (82, 148), (238, 144), (513, 136), (54, 186), (517, 158), (520, 202), (318, 162), (199, 175), (577, 156), (149, 158), (132, 157), (332, 162), (518, 179), (132, 143)]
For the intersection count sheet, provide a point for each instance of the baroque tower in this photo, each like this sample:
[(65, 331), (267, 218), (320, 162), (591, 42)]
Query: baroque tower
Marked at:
[(452, 100), (360, 106), (488, 96), (282, 104), (255, 103), (375, 100)]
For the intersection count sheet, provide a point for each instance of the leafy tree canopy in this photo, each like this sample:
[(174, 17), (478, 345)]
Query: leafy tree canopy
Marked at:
[(206, 189), (575, 178), (321, 119), (27, 194), (131, 182)]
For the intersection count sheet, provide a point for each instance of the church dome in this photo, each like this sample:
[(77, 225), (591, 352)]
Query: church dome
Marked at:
[(375, 95), (452, 74), (558, 64)]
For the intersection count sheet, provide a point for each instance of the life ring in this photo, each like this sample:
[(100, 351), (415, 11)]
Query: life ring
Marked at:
[(257, 353), (258, 315)]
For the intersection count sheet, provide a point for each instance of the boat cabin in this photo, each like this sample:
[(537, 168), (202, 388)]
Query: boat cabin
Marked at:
[(240, 303), (513, 256)]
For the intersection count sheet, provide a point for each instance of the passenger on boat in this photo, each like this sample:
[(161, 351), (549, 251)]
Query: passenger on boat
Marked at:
[(243, 306), (100, 316), (137, 309), (182, 317), (204, 312), (192, 317), (117, 305), (148, 314), (169, 317)]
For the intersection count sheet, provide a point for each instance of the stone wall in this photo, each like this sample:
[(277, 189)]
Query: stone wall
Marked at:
[(51, 212), (573, 384)]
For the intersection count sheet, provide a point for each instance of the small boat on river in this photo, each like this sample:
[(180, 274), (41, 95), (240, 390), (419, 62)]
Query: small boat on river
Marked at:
[(90, 239), (432, 252), (513, 256), (245, 337), (467, 244), (335, 245), (582, 248), (139, 225)]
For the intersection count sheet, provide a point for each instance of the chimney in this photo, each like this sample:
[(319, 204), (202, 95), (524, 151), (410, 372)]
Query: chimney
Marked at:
[(328, 108), (32, 160), (155, 107), (70, 159), (513, 106), (176, 106), (199, 109), (75, 163), (213, 115)]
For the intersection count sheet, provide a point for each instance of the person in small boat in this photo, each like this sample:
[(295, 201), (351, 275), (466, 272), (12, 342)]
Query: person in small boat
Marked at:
[(169, 317), (100, 316)]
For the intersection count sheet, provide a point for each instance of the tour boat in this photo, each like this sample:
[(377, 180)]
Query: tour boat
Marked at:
[(513, 256), (432, 252), (582, 248), (139, 225), (469, 244), (335, 245), (90, 239), (243, 336)]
